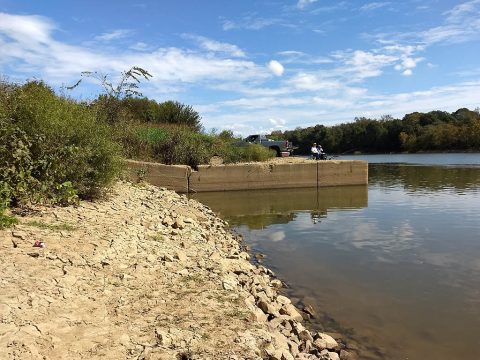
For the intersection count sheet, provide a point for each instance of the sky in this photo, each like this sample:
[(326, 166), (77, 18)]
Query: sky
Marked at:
[(257, 66)]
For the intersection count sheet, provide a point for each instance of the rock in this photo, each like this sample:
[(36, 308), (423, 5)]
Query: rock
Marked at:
[(283, 300), (333, 356), (276, 284), (180, 255), (124, 340), (290, 310), (229, 283), (167, 257), (310, 310), (178, 224), (304, 335), (162, 337), (184, 272), (19, 234), (324, 341), (167, 221)]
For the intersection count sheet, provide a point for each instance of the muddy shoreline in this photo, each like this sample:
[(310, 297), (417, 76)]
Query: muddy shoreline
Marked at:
[(144, 274)]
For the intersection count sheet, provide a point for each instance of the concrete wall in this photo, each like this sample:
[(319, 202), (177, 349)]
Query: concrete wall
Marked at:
[(270, 175), (253, 176), (173, 177), (278, 176)]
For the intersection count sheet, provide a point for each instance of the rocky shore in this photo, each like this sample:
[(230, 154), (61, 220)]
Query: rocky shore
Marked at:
[(144, 274)]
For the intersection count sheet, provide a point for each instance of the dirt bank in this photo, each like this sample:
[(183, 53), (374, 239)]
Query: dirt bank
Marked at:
[(144, 274)]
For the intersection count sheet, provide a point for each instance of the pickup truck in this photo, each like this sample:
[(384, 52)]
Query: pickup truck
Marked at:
[(281, 147)]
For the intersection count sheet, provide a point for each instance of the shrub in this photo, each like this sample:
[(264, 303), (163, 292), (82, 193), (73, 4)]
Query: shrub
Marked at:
[(255, 152), (182, 145), (52, 149)]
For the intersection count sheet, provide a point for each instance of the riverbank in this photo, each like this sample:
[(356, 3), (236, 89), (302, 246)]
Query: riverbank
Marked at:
[(143, 274)]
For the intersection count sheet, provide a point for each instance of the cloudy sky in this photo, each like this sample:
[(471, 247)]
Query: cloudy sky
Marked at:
[(256, 66)]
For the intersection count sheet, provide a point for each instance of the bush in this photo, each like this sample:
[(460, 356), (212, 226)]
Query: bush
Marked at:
[(255, 152), (52, 149), (182, 145)]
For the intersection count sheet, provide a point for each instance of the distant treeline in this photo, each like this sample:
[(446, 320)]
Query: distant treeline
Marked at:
[(432, 131)]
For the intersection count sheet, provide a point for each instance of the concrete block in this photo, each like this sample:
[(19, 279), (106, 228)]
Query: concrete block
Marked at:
[(173, 177)]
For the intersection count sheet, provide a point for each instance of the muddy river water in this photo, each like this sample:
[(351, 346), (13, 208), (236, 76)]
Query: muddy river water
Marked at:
[(393, 266)]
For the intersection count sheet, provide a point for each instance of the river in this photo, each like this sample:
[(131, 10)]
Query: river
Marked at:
[(394, 267)]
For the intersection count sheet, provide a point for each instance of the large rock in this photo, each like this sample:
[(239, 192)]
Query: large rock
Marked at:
[(324, 341), (290, 310)]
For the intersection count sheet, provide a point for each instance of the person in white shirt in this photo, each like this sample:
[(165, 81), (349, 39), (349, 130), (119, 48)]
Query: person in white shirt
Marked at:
[(314, 151)]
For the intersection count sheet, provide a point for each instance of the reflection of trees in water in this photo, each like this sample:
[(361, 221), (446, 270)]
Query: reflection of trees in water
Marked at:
[(257, 222), (260, 208), (417, 177)]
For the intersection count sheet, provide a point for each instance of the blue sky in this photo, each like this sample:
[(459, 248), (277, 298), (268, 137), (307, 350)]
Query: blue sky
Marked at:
[(257, 66)]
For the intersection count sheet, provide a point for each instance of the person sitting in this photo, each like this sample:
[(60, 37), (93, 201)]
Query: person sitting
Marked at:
[(314, 151), (321, 153)]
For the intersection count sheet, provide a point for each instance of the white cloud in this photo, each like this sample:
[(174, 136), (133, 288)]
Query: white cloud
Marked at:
[(277, 236), (313, 82), (278, 123), (374, 5), (216, 46), (114, 35), (458, 13), (276, 68), (302, 4), (28, 42), (299, 57), (407, 65), (27, 28), (251, 23), (140, 46)]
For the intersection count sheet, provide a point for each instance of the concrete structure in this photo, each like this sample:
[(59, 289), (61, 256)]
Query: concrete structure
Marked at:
[(173, 177), (251, 176)]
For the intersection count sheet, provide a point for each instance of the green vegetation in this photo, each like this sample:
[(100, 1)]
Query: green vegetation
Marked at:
[(6, 220), (170, 144), (56, 150), (52, 149), (433, 131)]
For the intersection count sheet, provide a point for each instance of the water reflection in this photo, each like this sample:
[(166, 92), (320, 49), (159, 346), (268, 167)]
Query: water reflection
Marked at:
[(425, 178), (261, 208)]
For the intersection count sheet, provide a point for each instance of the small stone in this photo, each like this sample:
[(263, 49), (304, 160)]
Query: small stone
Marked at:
[(19, 234), (178, 224), (310, 310), (276, 284), (168, 257), (181, 256), (324, 341), (229, 283), (167, 221), (283, 300), (291, 311), (333, 355), (184, 272)]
